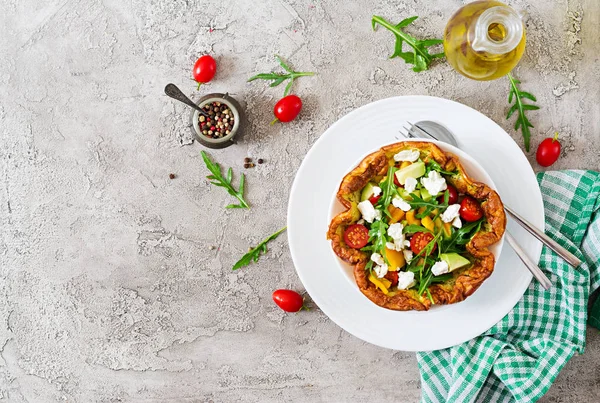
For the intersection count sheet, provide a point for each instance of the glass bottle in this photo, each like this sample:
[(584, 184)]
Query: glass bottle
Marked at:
[(484, 40)]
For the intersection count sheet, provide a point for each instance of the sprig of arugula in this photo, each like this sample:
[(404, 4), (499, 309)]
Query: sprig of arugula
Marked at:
[(217, 179), (420, 56), (431, 205), (388, 190), (280, 78), (522, 121), (377, 237), (254, 254)]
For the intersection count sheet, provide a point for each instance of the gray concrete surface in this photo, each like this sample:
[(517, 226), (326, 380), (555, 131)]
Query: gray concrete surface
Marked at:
[(116, 281)]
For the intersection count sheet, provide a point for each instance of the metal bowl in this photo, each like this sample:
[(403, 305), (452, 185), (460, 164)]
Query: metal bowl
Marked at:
[(235, 132)]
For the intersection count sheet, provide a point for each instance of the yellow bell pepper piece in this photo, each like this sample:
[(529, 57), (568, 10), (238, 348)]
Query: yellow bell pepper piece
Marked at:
[(396, 213), (438, 224), (427, 222), (410, 218), (378, 283), (422, 210), (395, 258), (447, 229), (434, 212), (405, 164)]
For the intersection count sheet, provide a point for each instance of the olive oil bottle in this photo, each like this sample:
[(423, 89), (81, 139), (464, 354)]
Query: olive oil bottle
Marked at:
[(484, 40)]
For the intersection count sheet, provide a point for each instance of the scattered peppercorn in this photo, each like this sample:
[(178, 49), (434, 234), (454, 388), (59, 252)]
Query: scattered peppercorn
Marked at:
[(172, 176), (247, 159), (246, 165), (260, 160)]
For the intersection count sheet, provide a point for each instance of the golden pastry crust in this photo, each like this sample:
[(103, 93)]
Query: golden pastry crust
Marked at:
[(464, 282)]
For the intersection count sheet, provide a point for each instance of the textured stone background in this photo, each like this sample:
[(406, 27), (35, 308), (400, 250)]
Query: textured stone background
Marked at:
[(110, 287)]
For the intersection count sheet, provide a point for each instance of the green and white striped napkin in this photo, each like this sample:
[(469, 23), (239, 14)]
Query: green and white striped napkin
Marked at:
[(520, 357)]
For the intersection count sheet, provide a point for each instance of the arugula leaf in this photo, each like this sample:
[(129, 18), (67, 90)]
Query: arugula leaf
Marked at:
[(254, 254), (431, 205), (522, 121), (388, 190), (377, 236), (441, 278), (280, 78), (413, 228), (420, 56), (461, 237), (217, 179), (433, 165)]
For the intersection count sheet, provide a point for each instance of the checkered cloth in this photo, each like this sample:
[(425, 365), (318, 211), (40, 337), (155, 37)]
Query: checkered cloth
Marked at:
[(519, 358)]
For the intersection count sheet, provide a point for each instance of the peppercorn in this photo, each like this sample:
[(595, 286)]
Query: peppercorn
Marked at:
[(202, 118), (260, 160), (246, 166), (171, 176), (247, 159)]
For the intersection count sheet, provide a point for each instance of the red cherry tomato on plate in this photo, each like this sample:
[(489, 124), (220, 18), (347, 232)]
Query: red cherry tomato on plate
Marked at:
[(374, 199), (392, 276), (204, 69), (452, 195), (548, 151), (356, 236), (420, 240), (287, 108), (470, 210), (288, 300)]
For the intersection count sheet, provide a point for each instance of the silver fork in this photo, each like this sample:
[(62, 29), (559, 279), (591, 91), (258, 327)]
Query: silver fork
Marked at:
[(446, 136)]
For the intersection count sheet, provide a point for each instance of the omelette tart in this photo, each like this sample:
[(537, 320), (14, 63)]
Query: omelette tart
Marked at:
[(416, 227)]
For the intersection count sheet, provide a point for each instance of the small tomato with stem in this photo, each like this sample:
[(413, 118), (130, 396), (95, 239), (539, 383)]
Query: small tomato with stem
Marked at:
[(204, 69), (548, 151), (288, 300), (287, 108)]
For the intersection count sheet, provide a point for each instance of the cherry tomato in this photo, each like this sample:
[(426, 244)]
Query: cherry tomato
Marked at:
[(392, 276), (288, 300), (470, 210), (374, 199), (356, 236), (548, 151), (452, 195), (287, 108), (204, 69), (420, 240)]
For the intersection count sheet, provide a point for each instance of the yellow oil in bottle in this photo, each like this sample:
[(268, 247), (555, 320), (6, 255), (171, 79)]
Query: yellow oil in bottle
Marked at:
[(484, 40)]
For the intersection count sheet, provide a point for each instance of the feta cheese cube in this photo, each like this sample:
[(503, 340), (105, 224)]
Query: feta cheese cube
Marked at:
[(440, 267), (434, 183), (376, 191), (369, 212), (407, 155), (381, 270), (457, 223), (451, 213), (410, 184), (406, 279), (408, 255), (400, 203)]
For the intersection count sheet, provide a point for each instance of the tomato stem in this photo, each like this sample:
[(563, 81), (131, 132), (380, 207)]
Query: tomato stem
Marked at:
[(273, 121), (555, 137), (199, 84)]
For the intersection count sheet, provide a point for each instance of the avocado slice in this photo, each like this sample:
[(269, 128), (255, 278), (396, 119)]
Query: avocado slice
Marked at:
[(454, 260), (414, 170), (425, 195), (367, 192), (406, 196)]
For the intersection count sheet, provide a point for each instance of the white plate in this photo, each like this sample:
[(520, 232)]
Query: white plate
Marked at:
[(345, 143)]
